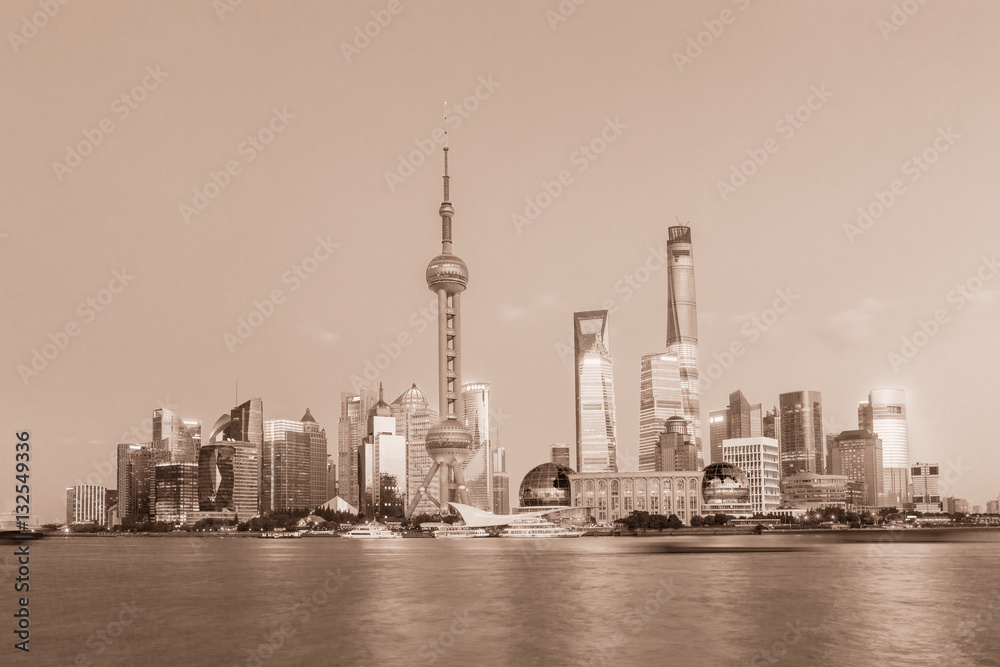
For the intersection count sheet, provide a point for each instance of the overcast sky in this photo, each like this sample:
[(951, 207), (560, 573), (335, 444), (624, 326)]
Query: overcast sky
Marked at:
[(310, 128)]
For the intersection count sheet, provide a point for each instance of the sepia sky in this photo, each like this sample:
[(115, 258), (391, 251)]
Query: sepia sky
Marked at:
[(250, 155)]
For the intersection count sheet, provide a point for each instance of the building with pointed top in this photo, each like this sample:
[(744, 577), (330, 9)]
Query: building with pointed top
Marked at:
[(596, 429), (682, 326), (382, 465), (287, 463), (414, 417), (448, 441)]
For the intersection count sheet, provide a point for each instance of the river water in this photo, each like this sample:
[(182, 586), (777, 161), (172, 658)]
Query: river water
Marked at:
[(592, 601)]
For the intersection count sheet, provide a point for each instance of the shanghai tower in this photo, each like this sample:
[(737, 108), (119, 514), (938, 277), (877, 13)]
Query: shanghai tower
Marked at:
[(682, 325)]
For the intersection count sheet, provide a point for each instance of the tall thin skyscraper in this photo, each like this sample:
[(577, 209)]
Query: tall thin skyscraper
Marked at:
[(382, 465), (317, 460), (448, 441), (287, 463), (596, 431), (802, 442), (739, 415), (478, 466), (682, 325), (659, 399), (134, 477), (351, 431), (884, 414)]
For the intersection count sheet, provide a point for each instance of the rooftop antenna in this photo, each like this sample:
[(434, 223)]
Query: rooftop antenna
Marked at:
[(446, 193)]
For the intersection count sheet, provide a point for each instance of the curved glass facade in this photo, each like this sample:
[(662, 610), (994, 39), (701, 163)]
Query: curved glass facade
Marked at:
[(724, 484), (546, 485), (884, 414), (682, 325)]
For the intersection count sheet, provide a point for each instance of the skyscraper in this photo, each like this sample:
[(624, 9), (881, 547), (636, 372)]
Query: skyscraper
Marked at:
[(559, 454), (176, 491), (175, 441), (596, 432), (802, 443), (287, 463), (718, 430), (501, 481), (926, 494), (682, 324), (884, 414), (242, 430), (317, 460), (659, 399), (86, 504), (478, 466), (758, 457), (448, 441), (675, 450), (858, 455), (382, 465), (414, 417), (771, 424), (133, 479), (351, 431)]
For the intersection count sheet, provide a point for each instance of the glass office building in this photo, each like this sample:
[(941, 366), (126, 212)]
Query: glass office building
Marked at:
[(478, 465), (285, 466), (659, 399), (884, 414), (176, 491), (596, 431), (134, 475), (682, 325), (803, 447)]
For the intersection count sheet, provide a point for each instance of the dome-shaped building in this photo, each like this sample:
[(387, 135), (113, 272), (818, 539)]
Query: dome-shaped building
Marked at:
[(725, 489), (546, 485)]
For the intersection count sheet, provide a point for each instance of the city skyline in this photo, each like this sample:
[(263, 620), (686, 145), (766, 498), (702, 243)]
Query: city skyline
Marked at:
[(850, 302)]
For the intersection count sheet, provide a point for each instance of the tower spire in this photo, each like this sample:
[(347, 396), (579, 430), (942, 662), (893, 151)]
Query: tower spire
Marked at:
[(446, 210)]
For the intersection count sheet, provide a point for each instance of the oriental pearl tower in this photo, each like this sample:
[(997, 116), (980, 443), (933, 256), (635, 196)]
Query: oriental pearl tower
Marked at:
[(448, 441)]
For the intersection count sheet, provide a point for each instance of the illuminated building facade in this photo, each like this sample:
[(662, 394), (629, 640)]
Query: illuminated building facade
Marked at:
[(86, 504), (478, 466), (760, 460), (884, 414), (659, 399), (615, 495), (682, 325), (596, 431), (134, 475), (176, 491), (858, 455), (802, 443)]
